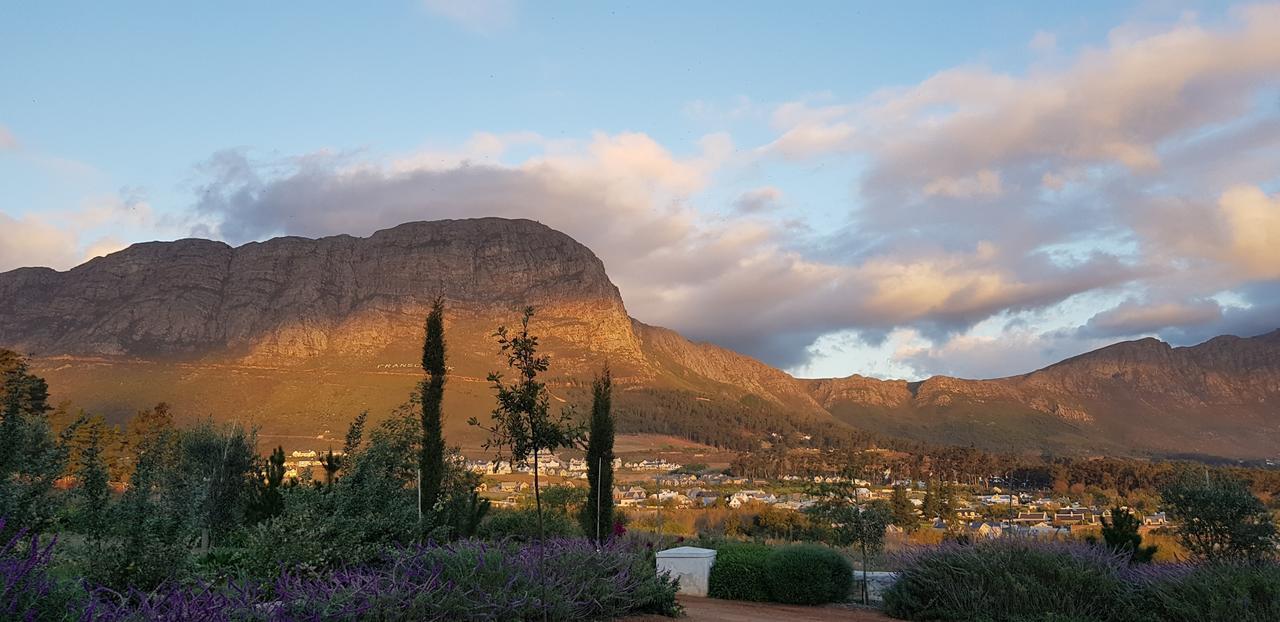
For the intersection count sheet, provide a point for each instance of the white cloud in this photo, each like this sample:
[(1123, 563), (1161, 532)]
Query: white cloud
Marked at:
[(63, 239), (1252, 221), (29, 241)]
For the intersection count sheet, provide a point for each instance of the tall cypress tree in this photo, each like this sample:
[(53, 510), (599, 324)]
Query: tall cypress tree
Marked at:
[(597, 513), (431, 458)]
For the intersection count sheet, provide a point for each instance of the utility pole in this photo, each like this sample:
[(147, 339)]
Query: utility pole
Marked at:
[(599, 493)]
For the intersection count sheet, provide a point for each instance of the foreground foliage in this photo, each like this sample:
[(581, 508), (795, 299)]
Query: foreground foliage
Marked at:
[(1016, 580), (465, 580), (807, 574), (738, 573), (802, 574)]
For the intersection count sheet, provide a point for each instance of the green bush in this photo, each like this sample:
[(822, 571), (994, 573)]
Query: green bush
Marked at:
[(1011, 580), (807, 574), (1235, 592), (738, 572), (522, 525)]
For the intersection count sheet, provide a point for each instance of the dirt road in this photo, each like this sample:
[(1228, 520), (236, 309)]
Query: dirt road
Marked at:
[(717, 610)]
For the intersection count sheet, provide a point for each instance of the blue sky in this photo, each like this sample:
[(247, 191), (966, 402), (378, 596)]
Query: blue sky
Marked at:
[(834, 188)]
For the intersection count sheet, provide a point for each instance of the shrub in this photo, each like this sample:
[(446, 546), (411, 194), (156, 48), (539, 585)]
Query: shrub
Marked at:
[(1010, 579), (807, 574), (522, 525), (27, 591), (1246, 592), (738, 572), (470, 580)]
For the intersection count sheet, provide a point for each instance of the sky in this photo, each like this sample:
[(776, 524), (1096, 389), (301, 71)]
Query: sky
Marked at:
[(890, 189)]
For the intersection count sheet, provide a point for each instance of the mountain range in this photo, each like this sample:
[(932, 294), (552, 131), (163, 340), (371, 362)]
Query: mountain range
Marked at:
[(297, 335)]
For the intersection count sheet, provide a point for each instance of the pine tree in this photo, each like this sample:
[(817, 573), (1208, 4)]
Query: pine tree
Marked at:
[(932, 506), (270, 501), (1121, 535), (597, 512), (431, 459), (904, 513)]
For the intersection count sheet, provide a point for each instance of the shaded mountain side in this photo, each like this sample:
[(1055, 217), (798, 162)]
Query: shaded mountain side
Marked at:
[(298, 335), (1221, 397)]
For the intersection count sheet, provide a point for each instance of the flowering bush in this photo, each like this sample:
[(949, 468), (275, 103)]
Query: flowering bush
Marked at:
[(1240, 592), (27, 592), (1016, 579), (1009, 579), (469, 580)]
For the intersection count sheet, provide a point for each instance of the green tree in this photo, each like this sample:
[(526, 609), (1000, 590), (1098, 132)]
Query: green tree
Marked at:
[(93, 494), (523, 427), (904, 513), (31, 457), (597, 512), (142, 430), (1120, 534), (331, 464), (931, 506), (1219, 517), (270, 500), (564, 499), (851, 525), (431, 457), (214, 477), (152, 527), (948, 507), (463, 507)]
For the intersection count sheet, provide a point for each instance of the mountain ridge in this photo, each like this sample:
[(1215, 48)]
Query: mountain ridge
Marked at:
[(263, 315)]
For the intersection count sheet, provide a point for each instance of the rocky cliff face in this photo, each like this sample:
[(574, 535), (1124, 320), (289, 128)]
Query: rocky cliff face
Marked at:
[(295, 298), (283, 329)]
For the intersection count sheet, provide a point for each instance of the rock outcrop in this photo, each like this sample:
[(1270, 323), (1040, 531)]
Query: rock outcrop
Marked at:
[(293, 298)]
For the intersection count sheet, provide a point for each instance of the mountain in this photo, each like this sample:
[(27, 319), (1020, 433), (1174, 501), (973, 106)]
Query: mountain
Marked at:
[(1220, 398), (298, 335)]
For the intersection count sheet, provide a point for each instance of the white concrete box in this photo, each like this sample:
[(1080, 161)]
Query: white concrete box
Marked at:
[(691, 565)]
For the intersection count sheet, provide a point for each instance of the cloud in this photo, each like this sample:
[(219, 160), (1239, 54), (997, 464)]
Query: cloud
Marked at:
[(1132, 318), (983, 183), (477, 15), (1043, 42), (8, 142), (65, 238), (1014, 351), (758, 200), (736, 282), (809, 140), (33, 241), (1252, 221)]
